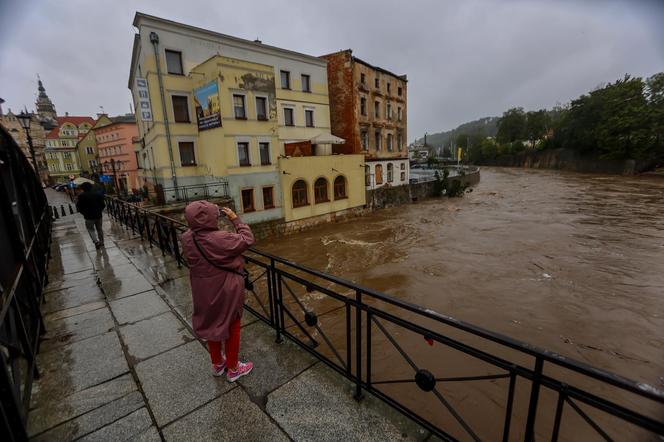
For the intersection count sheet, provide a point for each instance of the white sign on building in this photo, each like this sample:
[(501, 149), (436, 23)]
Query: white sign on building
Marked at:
[(144, 107)]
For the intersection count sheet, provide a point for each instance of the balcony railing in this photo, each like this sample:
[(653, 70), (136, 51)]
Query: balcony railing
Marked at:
[(458, 380)]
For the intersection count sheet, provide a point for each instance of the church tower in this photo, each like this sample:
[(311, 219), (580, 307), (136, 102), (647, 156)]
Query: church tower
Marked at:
[(45, 107)]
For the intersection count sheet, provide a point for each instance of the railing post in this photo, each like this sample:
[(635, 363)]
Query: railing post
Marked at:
[(358, 345), (534, 397), (160, 237), (562, 394), (176, 247), (368, 338), (510, 404), (280, 310), (349, 353), (270, 294)]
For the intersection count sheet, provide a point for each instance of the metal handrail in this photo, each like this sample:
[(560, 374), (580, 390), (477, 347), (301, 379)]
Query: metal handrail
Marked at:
[(26, 236), (278, 271)]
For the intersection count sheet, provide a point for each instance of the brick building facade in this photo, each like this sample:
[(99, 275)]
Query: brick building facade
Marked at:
[(368, 108)]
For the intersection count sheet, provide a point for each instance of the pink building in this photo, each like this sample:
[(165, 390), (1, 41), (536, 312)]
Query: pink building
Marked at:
[(116, 151)]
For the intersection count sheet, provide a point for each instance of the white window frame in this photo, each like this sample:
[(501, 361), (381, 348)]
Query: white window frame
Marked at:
[(283, 112), (302, 75), (239, 140), (185, 139), (290, 80), (166, 61), (313, 116), (190, 102), (267, 106), (269, 150), (235, 92)]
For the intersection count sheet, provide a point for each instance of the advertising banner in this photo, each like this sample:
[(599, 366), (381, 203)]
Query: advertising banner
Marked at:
[(207, 106), (144, 109)]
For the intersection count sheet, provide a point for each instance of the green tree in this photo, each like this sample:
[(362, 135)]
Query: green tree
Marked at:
[(489, 148), (655, 92), (511, 126), (537, 124)]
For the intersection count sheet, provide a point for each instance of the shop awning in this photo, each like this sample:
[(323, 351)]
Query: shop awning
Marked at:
[(327, 139)]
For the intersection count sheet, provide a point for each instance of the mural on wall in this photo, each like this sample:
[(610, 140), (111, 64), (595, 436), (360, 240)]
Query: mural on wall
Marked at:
[(208, 112)]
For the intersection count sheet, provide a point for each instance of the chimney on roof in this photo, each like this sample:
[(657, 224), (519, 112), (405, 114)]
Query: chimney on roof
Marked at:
[(66, 114)]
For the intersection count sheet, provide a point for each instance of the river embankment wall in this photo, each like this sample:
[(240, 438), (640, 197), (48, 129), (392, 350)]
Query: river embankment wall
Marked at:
[(377, 199), (383, 197), (568, 159)]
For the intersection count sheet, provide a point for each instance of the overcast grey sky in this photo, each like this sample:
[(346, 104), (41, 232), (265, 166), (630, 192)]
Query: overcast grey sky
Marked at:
[(464, 59)]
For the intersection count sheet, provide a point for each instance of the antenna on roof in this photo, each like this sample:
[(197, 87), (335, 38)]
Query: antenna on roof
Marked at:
[(102, 109)]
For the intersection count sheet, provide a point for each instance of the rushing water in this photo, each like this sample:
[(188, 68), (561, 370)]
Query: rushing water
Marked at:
[(570, 262)]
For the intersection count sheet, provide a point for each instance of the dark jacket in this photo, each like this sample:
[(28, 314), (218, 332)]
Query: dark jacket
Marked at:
[(90, 204)]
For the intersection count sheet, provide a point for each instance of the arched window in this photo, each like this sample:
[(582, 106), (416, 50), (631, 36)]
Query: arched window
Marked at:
[(340, 188), (300, 193), (379, 174), (320, 190), (390, 172)]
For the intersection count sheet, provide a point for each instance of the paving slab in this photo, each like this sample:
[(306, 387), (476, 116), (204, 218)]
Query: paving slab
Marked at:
[(152, 336), (75, 328), (113, 272), (78, 366), (231, 417), (127, 284), (179, 381), (149, 435), (318, 405), (72, 297), (58, 281), (105, 258), (136, 307), (73, 311), (127, 428), (95, 419), (59, 411), (274, 364)]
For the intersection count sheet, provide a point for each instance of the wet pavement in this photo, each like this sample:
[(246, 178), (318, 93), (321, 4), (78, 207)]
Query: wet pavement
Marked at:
[(119, 360)]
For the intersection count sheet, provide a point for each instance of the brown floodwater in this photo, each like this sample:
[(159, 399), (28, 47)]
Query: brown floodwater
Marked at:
[(573, 263)]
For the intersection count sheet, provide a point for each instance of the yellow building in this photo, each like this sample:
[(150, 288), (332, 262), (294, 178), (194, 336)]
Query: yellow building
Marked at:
[(61, 151), (214, 108), (87, 148)]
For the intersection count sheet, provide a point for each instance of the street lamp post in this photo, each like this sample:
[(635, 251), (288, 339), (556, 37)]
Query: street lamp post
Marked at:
[(25, 119)]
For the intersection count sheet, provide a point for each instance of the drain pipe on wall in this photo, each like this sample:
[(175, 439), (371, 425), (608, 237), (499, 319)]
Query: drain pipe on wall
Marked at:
[(154, 39)]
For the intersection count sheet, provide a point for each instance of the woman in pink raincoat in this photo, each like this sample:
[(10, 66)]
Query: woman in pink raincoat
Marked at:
[(217, 284)]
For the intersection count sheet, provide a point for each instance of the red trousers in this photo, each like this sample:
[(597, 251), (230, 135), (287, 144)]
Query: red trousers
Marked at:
[(232, 347)]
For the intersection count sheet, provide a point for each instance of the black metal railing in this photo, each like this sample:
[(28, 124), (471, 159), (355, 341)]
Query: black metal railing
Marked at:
[(25, 234), (457, 380)]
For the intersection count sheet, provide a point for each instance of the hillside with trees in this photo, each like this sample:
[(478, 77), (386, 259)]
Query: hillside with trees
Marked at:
[(486, 127), (623, 120)]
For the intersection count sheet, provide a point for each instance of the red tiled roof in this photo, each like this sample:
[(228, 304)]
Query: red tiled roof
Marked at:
[(53, 133), (75, 120)]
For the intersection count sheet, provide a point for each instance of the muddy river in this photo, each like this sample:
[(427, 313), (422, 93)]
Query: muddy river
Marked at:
[(573, 263)]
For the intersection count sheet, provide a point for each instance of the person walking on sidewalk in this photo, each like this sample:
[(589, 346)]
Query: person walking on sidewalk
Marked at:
[(91, 204), (216, 271)]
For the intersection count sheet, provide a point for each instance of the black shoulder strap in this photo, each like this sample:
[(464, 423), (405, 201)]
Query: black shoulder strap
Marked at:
[(200, 250)]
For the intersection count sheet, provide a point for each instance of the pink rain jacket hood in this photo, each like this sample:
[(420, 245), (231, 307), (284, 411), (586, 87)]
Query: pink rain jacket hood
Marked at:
[(218, 295)]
